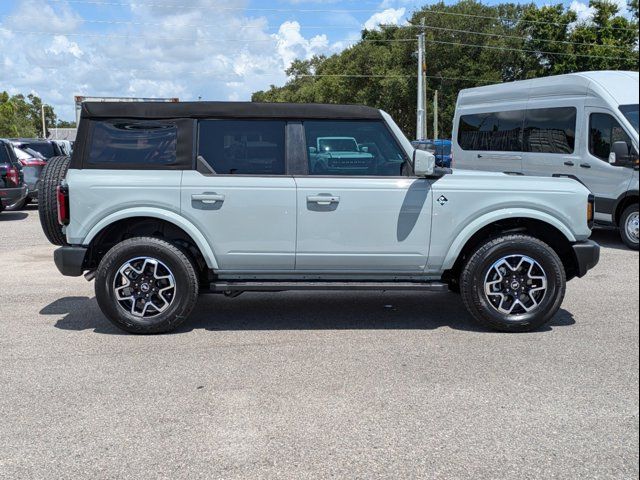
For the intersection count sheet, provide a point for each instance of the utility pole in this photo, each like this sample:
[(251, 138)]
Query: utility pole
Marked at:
[(425, 100), (435, 115), (44, 123), (421, 114)]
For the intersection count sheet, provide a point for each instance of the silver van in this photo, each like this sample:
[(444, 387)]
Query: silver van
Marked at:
[(582, 125)]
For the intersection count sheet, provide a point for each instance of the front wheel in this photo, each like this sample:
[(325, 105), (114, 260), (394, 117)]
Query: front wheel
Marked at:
[(146, 285), (513, 283), (629, 226)]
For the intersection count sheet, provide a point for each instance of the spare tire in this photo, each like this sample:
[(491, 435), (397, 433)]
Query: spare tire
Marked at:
[(51, 177)]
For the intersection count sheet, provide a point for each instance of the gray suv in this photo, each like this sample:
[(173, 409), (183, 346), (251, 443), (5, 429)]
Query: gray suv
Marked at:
[(161, 202)]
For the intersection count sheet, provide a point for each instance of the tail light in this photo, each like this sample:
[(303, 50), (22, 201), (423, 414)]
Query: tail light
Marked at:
[(33, 162), (13, 175), (63, 205), (591, 211)]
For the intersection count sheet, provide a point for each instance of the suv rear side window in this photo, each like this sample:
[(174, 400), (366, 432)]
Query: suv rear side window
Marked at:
[(352, 147), (243, 147), (129, 143), (604, 131), (497, 131)]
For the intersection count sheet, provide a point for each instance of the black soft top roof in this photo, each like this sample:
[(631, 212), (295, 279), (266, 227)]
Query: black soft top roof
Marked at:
[(160, 110)]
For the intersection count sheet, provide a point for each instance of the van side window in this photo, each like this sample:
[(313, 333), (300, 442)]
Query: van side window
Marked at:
[(550, 130), (243, 147), (498, 131), (604, 131), (352, 147), (130, 142)]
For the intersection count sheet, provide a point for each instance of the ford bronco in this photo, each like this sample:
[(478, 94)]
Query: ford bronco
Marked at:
[(162, 201)]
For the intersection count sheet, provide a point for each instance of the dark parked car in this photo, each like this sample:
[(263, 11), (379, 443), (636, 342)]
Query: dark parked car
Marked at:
[(12, 186), (440, 148)]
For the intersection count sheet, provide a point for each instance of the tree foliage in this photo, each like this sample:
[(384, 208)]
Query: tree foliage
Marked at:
[(467, 44), (21, 116)]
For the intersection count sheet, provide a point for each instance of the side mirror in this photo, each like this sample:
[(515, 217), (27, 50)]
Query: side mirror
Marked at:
[(312, 150), (424, 163), (364, 149), (619, 152)]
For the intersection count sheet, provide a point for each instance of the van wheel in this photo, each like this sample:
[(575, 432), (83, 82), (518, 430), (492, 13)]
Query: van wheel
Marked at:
[(51, 177), (146, 285), (513, 283), (629, 226)]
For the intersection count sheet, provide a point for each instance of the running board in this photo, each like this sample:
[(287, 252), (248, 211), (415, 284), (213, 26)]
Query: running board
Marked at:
[(275, 286)]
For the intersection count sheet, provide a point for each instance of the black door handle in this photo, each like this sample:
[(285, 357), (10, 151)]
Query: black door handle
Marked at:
[(585, 165), (569, 164)]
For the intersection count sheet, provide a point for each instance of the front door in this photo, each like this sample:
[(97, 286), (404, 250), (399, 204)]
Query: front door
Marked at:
[(606, 181), (240, 197), (357, 213)]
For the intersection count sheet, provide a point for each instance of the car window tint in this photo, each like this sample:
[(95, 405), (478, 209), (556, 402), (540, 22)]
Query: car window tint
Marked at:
[(43, 148), (243, 147), (352, 147), (495, 131), (550, 130), (4, 154), (130, 142), (604, 131)]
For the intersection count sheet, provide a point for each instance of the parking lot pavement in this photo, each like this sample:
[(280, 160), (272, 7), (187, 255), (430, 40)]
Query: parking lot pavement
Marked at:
[(301, 385)]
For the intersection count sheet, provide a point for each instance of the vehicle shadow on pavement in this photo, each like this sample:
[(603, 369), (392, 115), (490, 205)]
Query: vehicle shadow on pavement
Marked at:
[(7, 216), (300, 311), (608, 238)]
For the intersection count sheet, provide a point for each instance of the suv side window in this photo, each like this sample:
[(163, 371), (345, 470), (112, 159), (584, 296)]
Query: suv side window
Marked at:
[(604, 131), (550, 130), (129, 143), (243, 147), (497, 131), (352, 147)]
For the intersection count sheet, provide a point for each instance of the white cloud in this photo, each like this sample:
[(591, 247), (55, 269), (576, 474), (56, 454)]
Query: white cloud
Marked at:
[(159, 54), (585, 12), (390, 16)]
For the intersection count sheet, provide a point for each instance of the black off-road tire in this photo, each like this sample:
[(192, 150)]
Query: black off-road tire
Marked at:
[(179, 264), (472, 283), (629, 241), (51, 177)]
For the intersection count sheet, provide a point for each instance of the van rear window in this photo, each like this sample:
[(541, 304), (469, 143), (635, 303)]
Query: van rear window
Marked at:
[(129, 143)]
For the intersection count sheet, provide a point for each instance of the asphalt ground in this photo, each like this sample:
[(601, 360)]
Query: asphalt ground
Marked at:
[(313, 385)]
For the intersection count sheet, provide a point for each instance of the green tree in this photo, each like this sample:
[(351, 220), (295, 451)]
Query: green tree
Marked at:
[(21, 116), (467, 44)]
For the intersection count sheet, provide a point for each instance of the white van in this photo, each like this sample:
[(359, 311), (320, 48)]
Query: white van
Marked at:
[(580, 125)]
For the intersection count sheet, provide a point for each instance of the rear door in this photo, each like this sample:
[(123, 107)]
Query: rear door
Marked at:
[(491, 141), (240, 196), (357, 211)]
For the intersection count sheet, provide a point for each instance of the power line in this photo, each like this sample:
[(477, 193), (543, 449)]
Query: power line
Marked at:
[(325, 27), (323, 10), (273, 39), (496, 47)]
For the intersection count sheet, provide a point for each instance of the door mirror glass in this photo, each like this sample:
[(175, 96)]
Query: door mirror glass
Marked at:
[(423, 163)]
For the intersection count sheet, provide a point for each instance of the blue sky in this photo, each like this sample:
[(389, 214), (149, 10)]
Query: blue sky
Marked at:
[(191, 49)]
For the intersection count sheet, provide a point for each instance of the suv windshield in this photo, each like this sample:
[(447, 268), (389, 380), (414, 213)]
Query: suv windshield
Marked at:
[(337, 145), (631, 112)]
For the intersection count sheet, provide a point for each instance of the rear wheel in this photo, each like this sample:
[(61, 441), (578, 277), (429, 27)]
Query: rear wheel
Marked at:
[(146, 285), (629, 225), (513, 283), (51, 177)]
